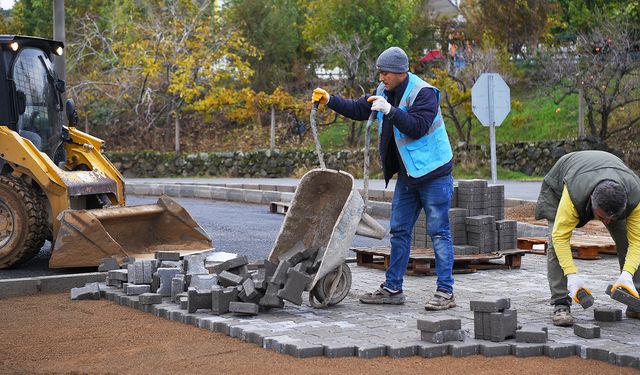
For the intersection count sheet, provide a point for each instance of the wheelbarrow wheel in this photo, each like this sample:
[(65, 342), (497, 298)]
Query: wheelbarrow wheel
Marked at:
[(322, 290)]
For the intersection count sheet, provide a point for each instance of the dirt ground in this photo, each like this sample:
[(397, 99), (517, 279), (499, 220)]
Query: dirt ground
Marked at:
[(52, 334), (525, 214)]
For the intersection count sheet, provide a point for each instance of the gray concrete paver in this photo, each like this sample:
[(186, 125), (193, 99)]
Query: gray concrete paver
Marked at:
[(373, 330)]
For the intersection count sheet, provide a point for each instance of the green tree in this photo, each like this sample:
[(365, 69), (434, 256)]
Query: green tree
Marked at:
[(517, 24), (274, 28), (32, 17)]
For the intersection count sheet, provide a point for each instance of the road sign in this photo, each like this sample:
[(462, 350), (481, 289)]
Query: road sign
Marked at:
[(490, 99), (491, 103)]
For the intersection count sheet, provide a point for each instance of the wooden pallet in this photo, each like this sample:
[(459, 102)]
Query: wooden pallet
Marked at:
[(582, 247), (279, 207), (422, 260)]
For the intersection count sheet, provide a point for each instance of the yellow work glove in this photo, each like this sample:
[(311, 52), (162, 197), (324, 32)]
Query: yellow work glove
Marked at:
[(625, 281), (320, 96)]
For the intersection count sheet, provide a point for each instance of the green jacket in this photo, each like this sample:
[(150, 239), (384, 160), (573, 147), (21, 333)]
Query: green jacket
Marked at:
[(581, 171)]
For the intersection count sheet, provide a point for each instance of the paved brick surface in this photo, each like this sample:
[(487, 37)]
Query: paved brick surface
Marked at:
[(373, 330)]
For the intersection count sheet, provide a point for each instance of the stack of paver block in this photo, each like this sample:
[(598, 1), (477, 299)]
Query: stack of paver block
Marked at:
[(474, 199), (493, 320), (507, 234), (457, 224), (473, 195), (439, 329), (496, 201), (419, 237), (481, 232)]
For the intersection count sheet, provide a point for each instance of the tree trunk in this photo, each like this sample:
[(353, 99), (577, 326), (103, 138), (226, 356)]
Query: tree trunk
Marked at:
[(177, 133), (273, 128)]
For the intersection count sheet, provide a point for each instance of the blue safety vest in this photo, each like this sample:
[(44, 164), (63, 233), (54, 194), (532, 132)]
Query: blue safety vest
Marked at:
[(431, 151)]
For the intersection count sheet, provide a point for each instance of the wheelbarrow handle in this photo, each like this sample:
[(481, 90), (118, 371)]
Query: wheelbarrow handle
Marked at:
[(314, 130), (367, 143)]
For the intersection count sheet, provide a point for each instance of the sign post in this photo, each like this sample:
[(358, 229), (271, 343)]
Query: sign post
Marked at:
[(491, 103)]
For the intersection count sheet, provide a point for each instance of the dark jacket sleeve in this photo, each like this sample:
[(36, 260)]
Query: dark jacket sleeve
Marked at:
[(416, 122), (355, 109)]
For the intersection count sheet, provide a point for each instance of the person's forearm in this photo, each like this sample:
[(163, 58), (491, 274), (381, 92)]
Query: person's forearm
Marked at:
[(358, 109)]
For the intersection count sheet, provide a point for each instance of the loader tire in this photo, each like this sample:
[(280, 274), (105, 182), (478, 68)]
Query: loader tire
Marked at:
[(23, 222)]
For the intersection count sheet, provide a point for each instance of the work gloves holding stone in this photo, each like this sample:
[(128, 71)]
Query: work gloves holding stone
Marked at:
[(625, 281), (574, 284)]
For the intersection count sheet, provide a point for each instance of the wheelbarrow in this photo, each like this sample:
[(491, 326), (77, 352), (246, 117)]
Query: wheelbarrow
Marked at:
[(325, 213)]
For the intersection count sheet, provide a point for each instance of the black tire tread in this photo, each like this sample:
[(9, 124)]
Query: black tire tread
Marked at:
[(37, 222)]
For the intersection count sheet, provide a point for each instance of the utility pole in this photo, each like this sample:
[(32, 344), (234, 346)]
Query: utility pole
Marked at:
[(59, 35)]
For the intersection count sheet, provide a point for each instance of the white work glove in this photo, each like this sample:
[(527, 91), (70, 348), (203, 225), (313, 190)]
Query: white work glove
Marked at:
[(380, 104), (625, 281), (574, 284)]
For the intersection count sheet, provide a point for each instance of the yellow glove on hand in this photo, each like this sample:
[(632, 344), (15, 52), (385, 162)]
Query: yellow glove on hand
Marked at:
[(320, 96)]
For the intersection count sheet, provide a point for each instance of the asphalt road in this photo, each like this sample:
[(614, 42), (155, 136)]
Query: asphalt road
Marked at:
[(245, 229)]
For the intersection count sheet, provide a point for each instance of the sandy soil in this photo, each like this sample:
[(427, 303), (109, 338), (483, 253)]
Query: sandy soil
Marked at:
[(52, 334), (525, 214)]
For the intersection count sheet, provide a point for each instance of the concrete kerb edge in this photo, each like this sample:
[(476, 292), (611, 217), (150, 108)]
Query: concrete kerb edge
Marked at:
[(239, 193), (47, 284)]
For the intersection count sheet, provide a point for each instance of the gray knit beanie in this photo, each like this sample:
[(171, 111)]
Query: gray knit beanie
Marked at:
[(393, 60)]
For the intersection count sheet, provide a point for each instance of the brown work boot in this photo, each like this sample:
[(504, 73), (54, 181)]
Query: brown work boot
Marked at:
[(383, 296), (632, 314), (440, 301), (562, 316)]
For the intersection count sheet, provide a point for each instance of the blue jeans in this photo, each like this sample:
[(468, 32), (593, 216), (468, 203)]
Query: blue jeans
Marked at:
[(435, 197)]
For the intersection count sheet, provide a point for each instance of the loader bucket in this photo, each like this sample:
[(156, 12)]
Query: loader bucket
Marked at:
[(325, 213), (87, 236)]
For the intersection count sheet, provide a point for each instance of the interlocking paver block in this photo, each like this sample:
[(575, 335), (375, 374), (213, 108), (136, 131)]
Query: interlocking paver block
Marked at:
[(335, 350), (599, 354), (108, 264), (503, 325), (586, 299), (490, 306), (295, 285), (532, 334), (607, 315), (494, 349), (168, 255), (229, 264), (280, 276), (89, 291), (249, 289), (438, 323), (428, 350), (624, 359), (270, 298), (170, 264), (166, 276), (177, 286), (559, 350), (198, 300), (369, 350), (220, 299), (150, 298), (624, 297), (520, 349), (303, 350), (587, 331), (226, 278), (120, 275), (464, 349), (203, 283), (442, 336), (401, 350), (134, 290), (244, 308)]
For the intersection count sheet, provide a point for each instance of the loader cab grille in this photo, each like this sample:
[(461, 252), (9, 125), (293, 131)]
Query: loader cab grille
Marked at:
[(41, 122)]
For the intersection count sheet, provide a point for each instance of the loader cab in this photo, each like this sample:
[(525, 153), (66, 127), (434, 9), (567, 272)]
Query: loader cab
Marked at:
[(31, 101)]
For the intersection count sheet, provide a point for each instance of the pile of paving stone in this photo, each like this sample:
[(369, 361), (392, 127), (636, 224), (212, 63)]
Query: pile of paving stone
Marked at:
[(476, 220), (215, 281)]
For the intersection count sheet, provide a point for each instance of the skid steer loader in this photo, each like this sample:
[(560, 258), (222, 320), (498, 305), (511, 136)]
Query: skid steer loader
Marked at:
[(55, 182)]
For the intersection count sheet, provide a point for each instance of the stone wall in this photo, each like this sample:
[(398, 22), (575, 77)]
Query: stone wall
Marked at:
[(529, 158)]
